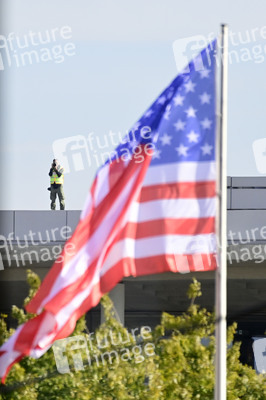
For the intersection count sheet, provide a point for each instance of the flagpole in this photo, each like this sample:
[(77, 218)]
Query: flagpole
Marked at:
[(221, 272)]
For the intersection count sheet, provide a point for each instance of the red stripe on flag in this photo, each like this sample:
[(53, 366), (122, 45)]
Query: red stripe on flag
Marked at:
[(178, 190), (91, 301), (10, 366), (65, 295), (155, 265), (27, 335), (158, 227)]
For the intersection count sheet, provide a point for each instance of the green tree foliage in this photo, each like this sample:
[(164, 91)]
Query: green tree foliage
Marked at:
[(167, 363)]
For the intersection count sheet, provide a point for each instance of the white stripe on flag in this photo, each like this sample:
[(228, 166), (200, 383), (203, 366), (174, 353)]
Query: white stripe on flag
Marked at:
[(172, 208), (180, 172), (102, 184), (87, 206), (11, 355)]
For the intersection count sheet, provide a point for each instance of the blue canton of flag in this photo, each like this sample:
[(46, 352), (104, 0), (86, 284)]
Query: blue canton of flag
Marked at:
[(182, 119)]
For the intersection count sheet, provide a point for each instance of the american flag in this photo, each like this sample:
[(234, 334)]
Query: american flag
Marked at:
[(151, 209)]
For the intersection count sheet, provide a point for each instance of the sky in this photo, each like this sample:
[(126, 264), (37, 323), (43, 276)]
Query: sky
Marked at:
[(104, 62)]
